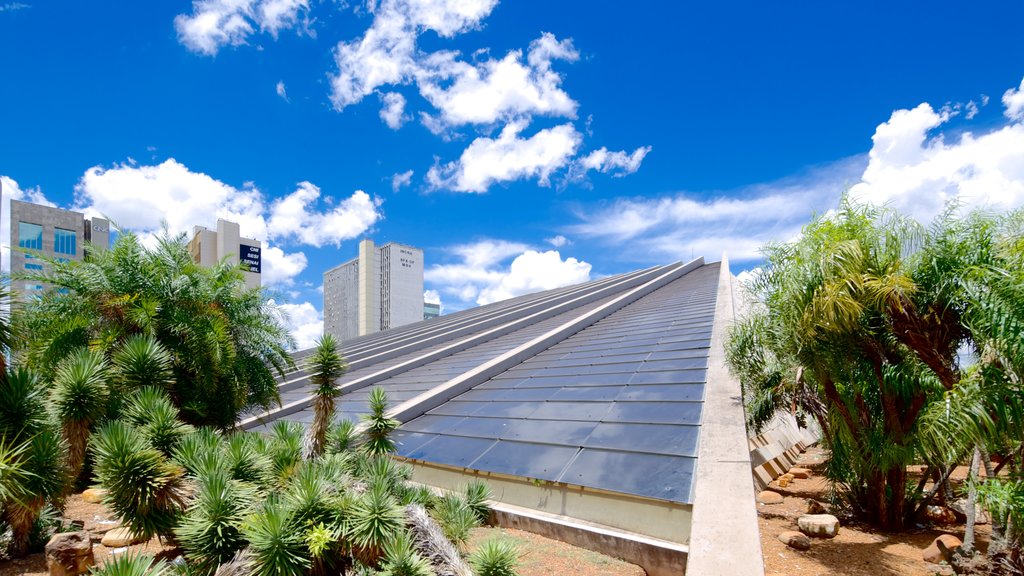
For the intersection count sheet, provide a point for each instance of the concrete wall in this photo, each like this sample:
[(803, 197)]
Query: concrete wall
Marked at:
[(369, 288), (341, 300), (50, 219), (401, 285), (776, 449)]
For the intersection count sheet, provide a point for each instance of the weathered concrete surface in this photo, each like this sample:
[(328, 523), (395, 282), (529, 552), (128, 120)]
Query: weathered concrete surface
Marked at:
[(724, 537)]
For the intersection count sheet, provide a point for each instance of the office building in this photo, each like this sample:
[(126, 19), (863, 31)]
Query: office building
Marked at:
[(51, 232), (431, 310), (380, 289), (208, 247)]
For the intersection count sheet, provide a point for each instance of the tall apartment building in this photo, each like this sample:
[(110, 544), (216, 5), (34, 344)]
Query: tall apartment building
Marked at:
[(208, 247), (52, 232), (382, 288)]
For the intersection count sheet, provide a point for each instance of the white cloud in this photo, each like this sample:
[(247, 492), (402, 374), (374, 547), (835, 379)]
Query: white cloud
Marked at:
[(141, 198), (290, 216), (305, 323), (918, 173), (1013, 100), (214, 24), (481, 276), (12, 6), (10, 190), (392, 111), (488, 160), (618, 163), (433, 297), (282, 91), (400, 180), (558, 241), (493, 90), (387, 54)]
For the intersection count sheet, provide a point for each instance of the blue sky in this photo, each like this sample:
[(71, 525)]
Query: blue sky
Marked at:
[(522, 145)]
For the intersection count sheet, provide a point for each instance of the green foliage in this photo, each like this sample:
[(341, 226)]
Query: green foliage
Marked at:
[(326, 366), (277, 548), (375, 519), (379, 425), (224, 342), (341, 437), (477, 495), (131, 565), (80, 388), (285, 448), (456, 518), (401, 559), (495, 557), (211, 531), (153, 414), (144, 490)]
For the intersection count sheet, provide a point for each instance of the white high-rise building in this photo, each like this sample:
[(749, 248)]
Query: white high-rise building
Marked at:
[(208, 247), (382, 288)]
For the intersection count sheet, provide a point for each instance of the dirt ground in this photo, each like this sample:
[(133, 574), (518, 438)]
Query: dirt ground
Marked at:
[(857, 550), (541, 556)]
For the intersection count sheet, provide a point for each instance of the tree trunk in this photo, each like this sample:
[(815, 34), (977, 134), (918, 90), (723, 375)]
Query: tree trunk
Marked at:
[(972, 501), (896, 494)]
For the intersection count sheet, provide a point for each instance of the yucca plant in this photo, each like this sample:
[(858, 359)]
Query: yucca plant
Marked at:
[(375, 519), (326, 366), (156, 418), (341, 437), (401, 559), (142, 361), (145, 491), (456, 518), (276, 544), (211, 530), (132, 565), (285, 448), (199, 450), (379, 425), (246, 460), (311, 495), (477, 494), (495, 557), (79, 400)]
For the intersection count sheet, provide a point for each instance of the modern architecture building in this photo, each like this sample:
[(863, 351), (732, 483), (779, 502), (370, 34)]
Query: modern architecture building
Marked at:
[(380, 289), (208, 247), (600, 414), (52, 232), (431, 310)]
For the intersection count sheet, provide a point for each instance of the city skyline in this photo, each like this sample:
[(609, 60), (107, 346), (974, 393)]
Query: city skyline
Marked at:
[(523, 146)]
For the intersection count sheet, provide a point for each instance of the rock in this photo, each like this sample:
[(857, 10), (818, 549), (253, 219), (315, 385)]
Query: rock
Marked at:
[(940, 515), (960, 509), (94, 495), (119, 537), (800, 473), (935, 555), (815, 507), (819, 525), (769, 497), (69, 554), (784, 480), (795, 539)]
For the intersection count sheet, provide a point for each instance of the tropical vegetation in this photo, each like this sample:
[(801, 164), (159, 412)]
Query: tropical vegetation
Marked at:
[(904, 344)]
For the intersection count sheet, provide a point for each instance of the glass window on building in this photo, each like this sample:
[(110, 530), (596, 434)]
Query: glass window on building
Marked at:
[(30, 236), (64, 242), (31, 263)]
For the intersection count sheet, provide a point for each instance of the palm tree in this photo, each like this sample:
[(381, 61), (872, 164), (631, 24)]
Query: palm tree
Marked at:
[(327, 366), (379, 425), (80, 401)]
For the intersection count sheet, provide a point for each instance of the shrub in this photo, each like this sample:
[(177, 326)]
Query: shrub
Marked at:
[(79, 400), (211, 530), (456, 518), (495, 557), (276, 545), (401, 559), (375, 519), (379, 425), (477, 495), (131, 565)]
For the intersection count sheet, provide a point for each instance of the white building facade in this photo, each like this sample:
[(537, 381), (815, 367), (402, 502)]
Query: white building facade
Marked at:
[(208, 247), (380, 289)]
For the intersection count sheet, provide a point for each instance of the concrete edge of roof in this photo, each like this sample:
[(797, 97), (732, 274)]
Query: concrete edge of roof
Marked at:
[(724, 533)]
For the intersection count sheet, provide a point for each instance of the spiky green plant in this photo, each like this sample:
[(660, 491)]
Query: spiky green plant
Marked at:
[(131, 565), (12, 469), (326, 366), (142, 361), (276, 544), (211, 530), (401, 558), (495, 557), (79, 400), (199, 450), (285, 448), (156, 417), (421, 495), (376, 518), (246, 460), (311, 495), (145, 491), (341, 437), (477, 494), (379, 425), (455, 517)]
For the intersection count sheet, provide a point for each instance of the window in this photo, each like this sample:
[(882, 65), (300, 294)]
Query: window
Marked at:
[(30, 265), (30, 236), (64, 242)]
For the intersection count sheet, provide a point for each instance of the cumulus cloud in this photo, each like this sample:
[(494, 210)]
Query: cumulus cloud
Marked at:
[(143, 198), (392, 111), (291, 216), (282, 91), (1013, 100), (305, 323), (10, 190), (400, 180), (482, 272), (214, 24), (558, 241), (507, 158), (618, 164)]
